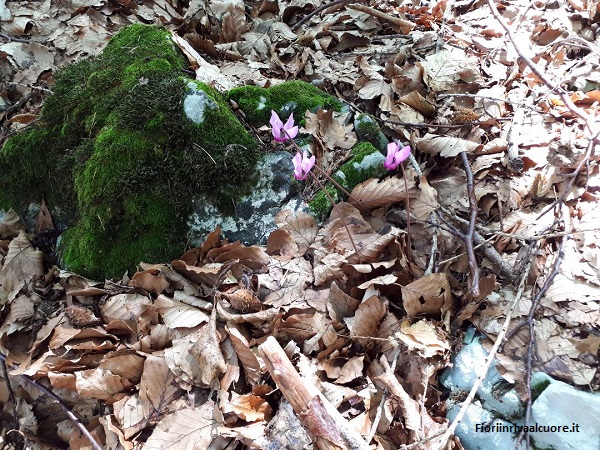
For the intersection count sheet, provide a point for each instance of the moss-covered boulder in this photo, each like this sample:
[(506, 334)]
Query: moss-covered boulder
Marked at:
[(366, 162), (124, 143), (286, 98)]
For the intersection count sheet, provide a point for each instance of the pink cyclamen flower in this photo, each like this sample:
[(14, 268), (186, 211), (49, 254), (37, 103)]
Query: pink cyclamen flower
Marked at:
[(395, 155), (282, 132), (302, 165)]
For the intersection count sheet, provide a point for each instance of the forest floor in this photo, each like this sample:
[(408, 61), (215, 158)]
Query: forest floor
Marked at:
[(499, 102)]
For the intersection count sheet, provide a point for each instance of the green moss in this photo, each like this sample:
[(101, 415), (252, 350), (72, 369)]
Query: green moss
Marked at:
[(538, 388), (285, 98), (366, 162), (118, 146), (368, 130)]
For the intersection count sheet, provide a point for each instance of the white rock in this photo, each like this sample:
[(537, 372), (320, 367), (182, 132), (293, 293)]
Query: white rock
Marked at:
[(562, 405)]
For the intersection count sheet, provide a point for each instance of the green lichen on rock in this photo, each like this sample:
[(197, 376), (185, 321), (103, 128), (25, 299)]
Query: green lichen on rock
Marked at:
[(366, 162), (124, 143), (285, 98)]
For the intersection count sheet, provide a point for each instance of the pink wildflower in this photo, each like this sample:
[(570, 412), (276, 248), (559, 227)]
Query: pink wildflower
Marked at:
[(395, 155), (302, 165), (282, 132)]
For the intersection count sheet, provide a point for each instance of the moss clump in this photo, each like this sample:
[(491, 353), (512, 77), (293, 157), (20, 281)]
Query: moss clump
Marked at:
[(368, 130), (285, 98), (366, 162), (125, 141)]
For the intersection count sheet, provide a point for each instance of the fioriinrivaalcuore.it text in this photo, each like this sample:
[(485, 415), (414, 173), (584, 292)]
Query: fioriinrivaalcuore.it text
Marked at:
[(499, 428)]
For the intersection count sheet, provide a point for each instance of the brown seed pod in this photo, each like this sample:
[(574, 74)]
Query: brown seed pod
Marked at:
[(81, 317), (243, 300)]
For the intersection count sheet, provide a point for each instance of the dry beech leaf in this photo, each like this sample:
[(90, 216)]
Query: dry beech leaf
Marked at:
[(149, 280), (426, 201), (186, 429), (248, 407), (352, 370), (22, 264), (418, 102), (281, 242), (247, 357), (301, 226), (429, 294), (366, 320), (445, 146), (176, 314), (99, 383), (157, 386), (208, 358), (422, 337), (340, 304), (375, 193), (233, 24), (328, 127)]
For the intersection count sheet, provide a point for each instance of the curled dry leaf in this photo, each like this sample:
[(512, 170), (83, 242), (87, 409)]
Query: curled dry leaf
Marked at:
[(149, 280), (429, 294), (248, 407), (445, 146), (418, 102), (248, 359), (422, 336), (281, 242), (366, 320)]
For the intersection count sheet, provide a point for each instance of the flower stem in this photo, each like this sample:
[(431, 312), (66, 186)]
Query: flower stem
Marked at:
[(407, 208)]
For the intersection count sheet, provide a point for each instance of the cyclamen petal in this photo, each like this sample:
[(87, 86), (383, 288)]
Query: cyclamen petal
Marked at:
[(302, 165), (395, 155), (281, 132)]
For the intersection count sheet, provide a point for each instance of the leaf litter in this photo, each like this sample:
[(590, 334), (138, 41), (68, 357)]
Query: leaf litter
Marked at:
[(178, 354)]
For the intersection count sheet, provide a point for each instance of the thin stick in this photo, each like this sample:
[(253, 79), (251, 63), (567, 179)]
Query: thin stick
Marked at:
[(317, 11), (488, 361), (471, 230), (62, 406), (407, 207), (11, 394)]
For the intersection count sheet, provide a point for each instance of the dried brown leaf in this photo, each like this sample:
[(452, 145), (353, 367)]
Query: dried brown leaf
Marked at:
[(429, 294), (375, 193), (446, 146)]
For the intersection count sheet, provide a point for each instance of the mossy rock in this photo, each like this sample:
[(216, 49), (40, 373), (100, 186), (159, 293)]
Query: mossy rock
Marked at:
[(124, 143), (366, 162), (368, 130), (286, 98)]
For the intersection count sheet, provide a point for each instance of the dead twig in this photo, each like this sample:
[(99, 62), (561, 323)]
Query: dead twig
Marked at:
[(529, 322), (589, 122), (317, 11), (62, 406), (468, 238), (404, 26), (12, 38), (488, 361), (327, 426)]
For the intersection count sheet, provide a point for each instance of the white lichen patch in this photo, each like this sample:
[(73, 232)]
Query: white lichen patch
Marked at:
[(196, 102), (262, 102), (370, 161)]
